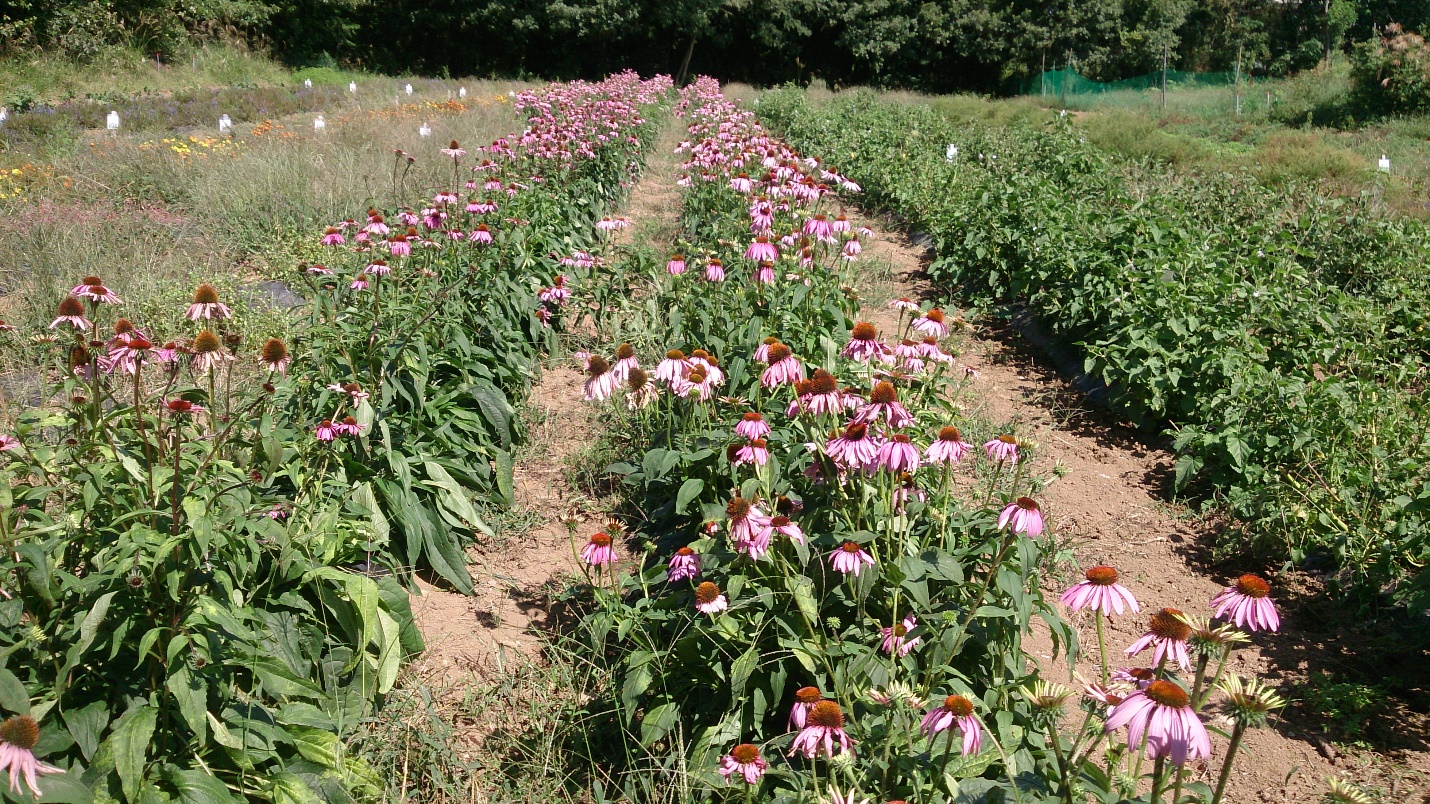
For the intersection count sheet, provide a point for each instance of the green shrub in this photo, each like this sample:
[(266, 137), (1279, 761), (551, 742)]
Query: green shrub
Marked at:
[(1392, 72)]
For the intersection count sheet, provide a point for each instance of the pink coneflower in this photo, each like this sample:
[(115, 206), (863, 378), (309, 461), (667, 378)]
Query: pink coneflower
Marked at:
[(600, 382), (84, 285), (673, 368), (884, 406), (864, 344), (1002, 448), (326, 430), (1138, 677), (819, 395), (1100, 592), (378, 267), (817, 226), (359, 283), (745, 760), (675, 266), (399, 245), (854, 448), (206, 304), (804, 700), (783, 525), (640, 392), (320, 270), (752, 425), (762, 250), (348, 427), (611, 224), (625, 362), (1162, 715), (182, 406), (71, 312), (556, 295), (762, 352), (98, 294), (907, 490), (482, 235), (931, 323), (850, 559), (1167, 632), (9, 443), (714, 271), (454, 150), (896, 455), (749, 528), (930, 350), (896, 636), (598, 551), (684, 564), (1024, 516), (208, 352), (949, 448), (852, 249), (352, 389), (956, 711), (754, 451), (783, 369), (1246, 603), (765, 274), (742, 184), (18, 736), (823, 732), (904, 305), (332, 236), (696, 381), (168, 353), (709, 599)]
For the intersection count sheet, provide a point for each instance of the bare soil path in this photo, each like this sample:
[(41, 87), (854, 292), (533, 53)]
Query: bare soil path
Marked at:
[(1106, 501)]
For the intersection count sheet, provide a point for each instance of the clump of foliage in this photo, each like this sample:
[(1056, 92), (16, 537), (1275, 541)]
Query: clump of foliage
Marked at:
[(1392, 72)]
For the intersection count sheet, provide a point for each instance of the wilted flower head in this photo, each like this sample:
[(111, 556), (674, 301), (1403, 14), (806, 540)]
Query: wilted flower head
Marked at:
[(274, 356)]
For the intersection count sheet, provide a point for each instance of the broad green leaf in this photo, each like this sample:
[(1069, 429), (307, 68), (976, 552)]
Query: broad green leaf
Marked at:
[(13, 695), (88, 630), (198, 787), (130, 743), (86, 725), (316, 745), (689, 490), (191, 693)]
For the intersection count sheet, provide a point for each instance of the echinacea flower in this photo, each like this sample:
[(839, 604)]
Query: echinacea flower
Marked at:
[(804, 700), (823, 732), (18, 736), (904, 305), (749, 528), (333, 237), (948, 449), (129, 354), (1167, 632), (1099, 591), (896, 636), (206, 304), (1024, 516), (819, 395), (850, 559), (854, 448), (784, 368), (640, 393), (745, 760), (71, 312), (274, 356), (600, 382), (884, 406), (956, 711), (931, 323), (1162, 715), (675, 266), (482, 235), (672, 368), (684, 564), (1002, 448), (852, 249), (754, 451), (784, 526), (9, 443), (179, 407), (762, 250), (349, 426), (752, 425), (98, 294), (864, 344), (1247, 603), (709, 599), (714, 271), (895, 455), (84, 285), (454, 150), (208, 352), (326, 430), (598, 551), (1250, 702)]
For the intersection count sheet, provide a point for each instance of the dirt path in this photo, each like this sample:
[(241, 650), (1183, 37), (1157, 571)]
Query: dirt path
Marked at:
[(1105, 501), (515, 574)]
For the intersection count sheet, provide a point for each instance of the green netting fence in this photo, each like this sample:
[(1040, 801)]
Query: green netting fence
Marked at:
[(1069, 82)]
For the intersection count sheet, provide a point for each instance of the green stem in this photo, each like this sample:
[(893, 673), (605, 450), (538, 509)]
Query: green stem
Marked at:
[(1157, 778), (1236, 735), (1102, 645)]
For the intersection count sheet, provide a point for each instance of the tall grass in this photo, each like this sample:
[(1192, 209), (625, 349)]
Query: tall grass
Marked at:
[(125, 71)]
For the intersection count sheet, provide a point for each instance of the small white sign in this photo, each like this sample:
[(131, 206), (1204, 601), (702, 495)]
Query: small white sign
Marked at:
[(224, 124), (111, 121), (352, 86), (1384, 164), (319, 123), (461, 92), (951, 153), (308, 82), (4, 113), (407, 89), (424, 130)]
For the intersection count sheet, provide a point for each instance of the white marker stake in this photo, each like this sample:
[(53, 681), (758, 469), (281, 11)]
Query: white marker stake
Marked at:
[(407, 89), (951, 153), (424, 130), (4, 113), (224, 124), (461, 92), (1384, 164), (319, 124), (308, 82), (352, 87), (111, 121)]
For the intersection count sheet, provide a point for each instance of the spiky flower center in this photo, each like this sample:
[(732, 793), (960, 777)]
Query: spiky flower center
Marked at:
[(685, 551), (123, 326), (808, 695), (826, 715), (1168, 624), (856, 432), (206, 342), (677, 258), (864, 331), (822, 382), (696, 376), (706, 593), (20, 731), (91, 280), (950, 434), (452, 146), (899, 438), (884, 393), (1102, 575), (205, 294), (352, 388), (625, 352), (71, 307), (1027, 503), (753, 417), (745, 753), (779, 352), (771, 341), (851, 548), (780, 521), (935, 315), (349, 421), (1167, 693), (636, 379), (597, 366), (899, 630), (958, 706), (675, 354), (1007, 439), (738, 508), (601, 540), (274, 351), (140, 344), (1252, 586)]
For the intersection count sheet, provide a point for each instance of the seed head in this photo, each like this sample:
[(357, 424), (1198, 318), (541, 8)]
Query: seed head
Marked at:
[(826, 714), (864, 331), (206, 342), (674, 354), (1170, 624), (808, 695), (70, 307), (884, 393), (20, 731), (706, 593), (205, 294), (597, 366), (625, 352), (958, 706), (274, 351), (1252, 586), (737, 508), (1167, 693), (777, 353), (1102, 575), (745, 753), (950, 434), (1249, 702)]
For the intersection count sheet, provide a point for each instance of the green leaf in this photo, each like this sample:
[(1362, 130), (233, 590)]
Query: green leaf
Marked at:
[(86, 725), (740, 671), (290, 789), (658, 722), (130, 744), (13, 695), (506, 486), (88, 630), (316, 745), (191, 693), (689, 490), (65, 788), (453, 497), (197, 787)]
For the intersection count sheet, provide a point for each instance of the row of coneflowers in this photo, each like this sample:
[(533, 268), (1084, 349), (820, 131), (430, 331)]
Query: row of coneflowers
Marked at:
[(865, 431), (183, 409)]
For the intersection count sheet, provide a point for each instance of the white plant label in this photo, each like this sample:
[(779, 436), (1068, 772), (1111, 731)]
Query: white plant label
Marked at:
[(224, 124), (111, 121), (424, 130), (319, 123), (407, 89)]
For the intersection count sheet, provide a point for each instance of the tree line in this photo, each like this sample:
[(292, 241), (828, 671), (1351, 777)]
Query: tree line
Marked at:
[(931, 45)]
